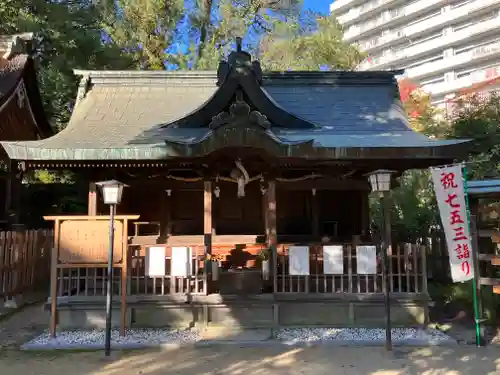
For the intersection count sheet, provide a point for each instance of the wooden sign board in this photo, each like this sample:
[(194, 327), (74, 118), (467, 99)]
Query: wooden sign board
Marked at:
[(83, 241)]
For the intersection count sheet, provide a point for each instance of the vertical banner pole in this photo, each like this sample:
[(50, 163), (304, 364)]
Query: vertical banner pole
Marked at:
[(475, 258)]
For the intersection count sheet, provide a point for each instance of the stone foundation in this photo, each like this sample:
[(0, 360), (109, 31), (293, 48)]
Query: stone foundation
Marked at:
[(259, 311)]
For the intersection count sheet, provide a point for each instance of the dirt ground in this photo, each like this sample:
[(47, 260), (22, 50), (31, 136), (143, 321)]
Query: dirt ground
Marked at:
[(235, 360)]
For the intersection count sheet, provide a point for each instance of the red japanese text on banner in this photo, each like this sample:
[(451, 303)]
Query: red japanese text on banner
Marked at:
[(449, 188)]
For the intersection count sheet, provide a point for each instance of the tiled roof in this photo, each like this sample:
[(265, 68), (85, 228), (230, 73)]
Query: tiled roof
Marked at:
[(126, 115)]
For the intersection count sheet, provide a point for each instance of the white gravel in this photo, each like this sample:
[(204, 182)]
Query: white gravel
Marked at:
[(298, 335), (155, 337), (132, 337)]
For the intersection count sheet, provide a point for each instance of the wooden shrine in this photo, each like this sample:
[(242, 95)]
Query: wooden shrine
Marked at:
[(22, 117), (256, 181)]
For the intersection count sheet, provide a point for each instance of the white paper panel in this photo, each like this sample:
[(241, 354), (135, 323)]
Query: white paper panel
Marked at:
[(155, 261), (366, 260), (333, 260), (298, 260), (181, 261)]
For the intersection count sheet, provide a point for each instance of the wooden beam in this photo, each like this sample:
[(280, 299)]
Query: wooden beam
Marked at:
[(315, 213), (271, 230), (53, 280), (92, 199), (207, 227), (85, 217), (124, 278)]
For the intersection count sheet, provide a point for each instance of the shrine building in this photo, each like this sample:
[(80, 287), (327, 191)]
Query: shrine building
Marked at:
[(239, 169)]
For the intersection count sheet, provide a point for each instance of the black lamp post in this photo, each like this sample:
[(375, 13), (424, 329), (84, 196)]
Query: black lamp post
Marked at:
[(112, 194), (380, 181)]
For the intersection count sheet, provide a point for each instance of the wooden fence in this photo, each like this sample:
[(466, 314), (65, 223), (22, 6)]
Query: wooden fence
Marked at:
[(407, 275), (24, 261)]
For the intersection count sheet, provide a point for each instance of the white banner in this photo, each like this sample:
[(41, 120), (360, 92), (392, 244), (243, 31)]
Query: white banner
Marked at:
[(298, 258), (333, 260), (449, 188), (181, 261), (155, 261), (366, 260)]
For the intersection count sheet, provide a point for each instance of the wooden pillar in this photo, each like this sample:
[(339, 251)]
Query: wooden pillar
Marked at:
[(13, 195), (168, 216), (271, 230), (315, 213), (207, 227), (53, 280), (365, 214), (8, 195), (92, 201)]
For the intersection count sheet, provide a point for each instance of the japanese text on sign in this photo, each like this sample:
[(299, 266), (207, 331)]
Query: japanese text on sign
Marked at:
[(449, 188)]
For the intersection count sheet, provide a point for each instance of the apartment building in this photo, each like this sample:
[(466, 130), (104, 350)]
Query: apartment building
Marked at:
[(444, 45)]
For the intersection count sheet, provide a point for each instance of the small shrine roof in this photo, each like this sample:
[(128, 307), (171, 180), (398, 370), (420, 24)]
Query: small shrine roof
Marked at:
[(18, 78)]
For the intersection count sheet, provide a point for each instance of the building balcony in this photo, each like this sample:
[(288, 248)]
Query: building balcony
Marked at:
[(447, 39), (451, 62), (341, 6), (386, 18), (441, 89), (364, 9), (439, 21)]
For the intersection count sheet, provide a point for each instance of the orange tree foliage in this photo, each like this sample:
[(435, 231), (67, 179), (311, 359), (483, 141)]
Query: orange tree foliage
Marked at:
[(417, 103)]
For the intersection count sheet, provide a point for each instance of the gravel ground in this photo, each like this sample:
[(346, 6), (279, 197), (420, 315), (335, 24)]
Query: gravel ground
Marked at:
[(135, 338), (234, 360), (358, 334)]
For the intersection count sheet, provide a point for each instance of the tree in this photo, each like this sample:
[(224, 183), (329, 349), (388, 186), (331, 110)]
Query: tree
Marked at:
[(423, 116), (192, 35), (308, 47), (477, 117), (161, 37), (68, 36)]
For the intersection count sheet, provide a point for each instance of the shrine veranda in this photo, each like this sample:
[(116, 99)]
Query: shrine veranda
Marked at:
[(255, 181)]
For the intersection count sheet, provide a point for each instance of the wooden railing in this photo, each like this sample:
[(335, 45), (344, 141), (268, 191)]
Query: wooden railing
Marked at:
[(24, 261), (407, 274), (406, 268)]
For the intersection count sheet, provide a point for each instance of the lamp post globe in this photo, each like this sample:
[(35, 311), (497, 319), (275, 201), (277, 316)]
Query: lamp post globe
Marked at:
[(111, 191)]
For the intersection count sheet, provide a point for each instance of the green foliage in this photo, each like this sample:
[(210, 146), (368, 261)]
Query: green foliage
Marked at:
[(145, 29), (68, 36), (462, 293), (477, 117), (414, 214), (292, 47)]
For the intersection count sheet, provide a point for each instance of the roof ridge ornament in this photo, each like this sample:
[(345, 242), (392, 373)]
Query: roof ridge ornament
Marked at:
[(238, 64), (240, 113)]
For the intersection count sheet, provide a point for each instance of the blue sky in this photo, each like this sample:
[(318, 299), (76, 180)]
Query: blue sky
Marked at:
[(321, 6)]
